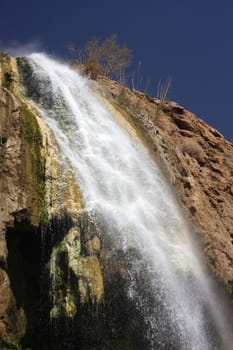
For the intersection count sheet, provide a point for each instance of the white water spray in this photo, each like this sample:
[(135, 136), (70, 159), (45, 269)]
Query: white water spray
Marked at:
[(126, 193)]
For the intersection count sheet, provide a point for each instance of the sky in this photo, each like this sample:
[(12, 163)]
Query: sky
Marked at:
[(190, 41)]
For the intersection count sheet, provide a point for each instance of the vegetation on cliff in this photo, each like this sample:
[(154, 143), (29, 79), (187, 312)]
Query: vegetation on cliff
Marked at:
[(105, 57), (35, 165)]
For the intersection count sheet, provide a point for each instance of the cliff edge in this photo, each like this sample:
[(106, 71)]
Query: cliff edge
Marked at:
[(54, 265), (198, 163)]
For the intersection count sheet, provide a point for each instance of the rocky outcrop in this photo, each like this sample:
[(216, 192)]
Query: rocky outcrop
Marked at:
[(21, 190), (41, 211), (198, 162), (12, 203), (57, 272)]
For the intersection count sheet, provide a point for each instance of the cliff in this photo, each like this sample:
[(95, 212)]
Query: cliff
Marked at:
[(54, 265), (198, 162), (42, 223)]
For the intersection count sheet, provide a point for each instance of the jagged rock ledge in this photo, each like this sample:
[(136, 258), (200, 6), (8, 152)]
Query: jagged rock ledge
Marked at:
[(198, 162)]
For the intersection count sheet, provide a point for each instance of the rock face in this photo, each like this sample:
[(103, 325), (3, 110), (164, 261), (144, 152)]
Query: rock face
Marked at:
[(13, 201), (57, 273), (44, 231), (198, 162)]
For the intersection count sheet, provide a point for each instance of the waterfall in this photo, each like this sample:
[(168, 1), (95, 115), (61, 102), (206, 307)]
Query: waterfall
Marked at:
[(128, 197)]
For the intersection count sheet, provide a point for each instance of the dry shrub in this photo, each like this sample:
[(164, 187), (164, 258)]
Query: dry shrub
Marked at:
[(122, 99), (105, 57), (192, 148), (92, 68), (162, 95)]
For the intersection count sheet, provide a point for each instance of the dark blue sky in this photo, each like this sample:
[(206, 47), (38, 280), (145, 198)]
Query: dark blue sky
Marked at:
[(190, 41)]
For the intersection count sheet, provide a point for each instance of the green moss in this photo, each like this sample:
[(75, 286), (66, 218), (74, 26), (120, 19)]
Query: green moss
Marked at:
[(122, 99), (35, 163), (12, 343), (210, 261), (230, 287)]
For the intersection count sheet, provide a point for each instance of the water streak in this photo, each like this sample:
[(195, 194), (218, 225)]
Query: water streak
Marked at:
[(126, 193)]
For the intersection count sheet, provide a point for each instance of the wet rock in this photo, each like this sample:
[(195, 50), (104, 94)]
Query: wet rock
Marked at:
[(37, 191), (187, 147), (93, 246)]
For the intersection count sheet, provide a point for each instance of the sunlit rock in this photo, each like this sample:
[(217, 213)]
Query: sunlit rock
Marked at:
[(105, 255)]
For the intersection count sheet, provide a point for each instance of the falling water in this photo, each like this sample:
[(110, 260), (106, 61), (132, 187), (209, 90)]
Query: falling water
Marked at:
[(127, 195)]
